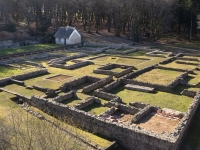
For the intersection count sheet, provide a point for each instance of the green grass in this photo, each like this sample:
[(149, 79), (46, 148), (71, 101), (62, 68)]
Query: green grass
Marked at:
[(23, 91), (193, 78), (161, 99), (23, 49), (180, 66), (11, 71), (158, 76), (138, 53), (117, 70), (72, 101), (95, 109), (192, 45)]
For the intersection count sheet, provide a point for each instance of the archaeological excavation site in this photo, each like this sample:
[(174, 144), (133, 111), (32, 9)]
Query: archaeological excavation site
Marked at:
[(135, 97)]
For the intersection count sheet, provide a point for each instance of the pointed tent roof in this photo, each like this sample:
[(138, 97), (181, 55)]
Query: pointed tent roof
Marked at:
[(64, 32)]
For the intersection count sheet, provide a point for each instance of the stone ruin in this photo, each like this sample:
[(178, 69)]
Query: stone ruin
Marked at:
[(107, 70), (117, 122)]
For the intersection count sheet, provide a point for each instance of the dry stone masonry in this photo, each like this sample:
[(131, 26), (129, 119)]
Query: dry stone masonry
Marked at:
[(108, 124)]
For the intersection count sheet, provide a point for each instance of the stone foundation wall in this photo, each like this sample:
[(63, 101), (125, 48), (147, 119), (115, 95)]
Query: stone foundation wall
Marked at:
[(87, 102), (175, 82), (97, 84), (17, 82), (112, 85), (30, 74), (126, 71), (73, 66), (138, 104), (139, 88), (142, 113), (127, 136), (4, 81), (138, 72), (64, 97), (106, 72), (187, 63), (64, 59), (180, 131), (34, 64), (48, 91), (166, 61), (156, 86), (75, 82), (189, 93), (173, 69), (187, 58), (105, 95), (78, 81)]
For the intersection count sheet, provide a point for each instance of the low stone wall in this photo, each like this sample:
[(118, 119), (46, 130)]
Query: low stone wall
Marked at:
[(30, 74), (175, 82), (95, 57), (187, 63), (187, 58), (155, 86), (130, 137), (78, 81), (168, 60), (129, 109), (173, 69), (156, 53), (138, 104), (4, 81), (64, 97), (142, 113), (112, 85), (139, 88), (97, 84), (189, 93), (73, 66), (180, 131), (138, 72), (48, 91), (34, 64), (17, 82), (106, 72), (105, 95), (126, 71), (64, 59), (108, 112), (89, 101)]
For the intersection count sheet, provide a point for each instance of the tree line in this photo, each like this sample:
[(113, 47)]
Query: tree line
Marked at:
[(135, 18)]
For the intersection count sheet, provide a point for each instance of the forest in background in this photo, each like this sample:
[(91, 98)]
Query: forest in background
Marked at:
[(135, 18)]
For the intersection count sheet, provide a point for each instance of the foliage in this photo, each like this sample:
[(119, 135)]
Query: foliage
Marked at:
[(131, 17)]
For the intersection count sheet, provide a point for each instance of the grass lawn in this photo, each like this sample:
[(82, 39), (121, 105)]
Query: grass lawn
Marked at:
[(195, 45), (119, 60), (23, 91), (161, 99), (117, 70), (23, 49), (95, 109), (11, 71), (158, 76), (180, 66), (192, 57), (138, 53), (193, 78)]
